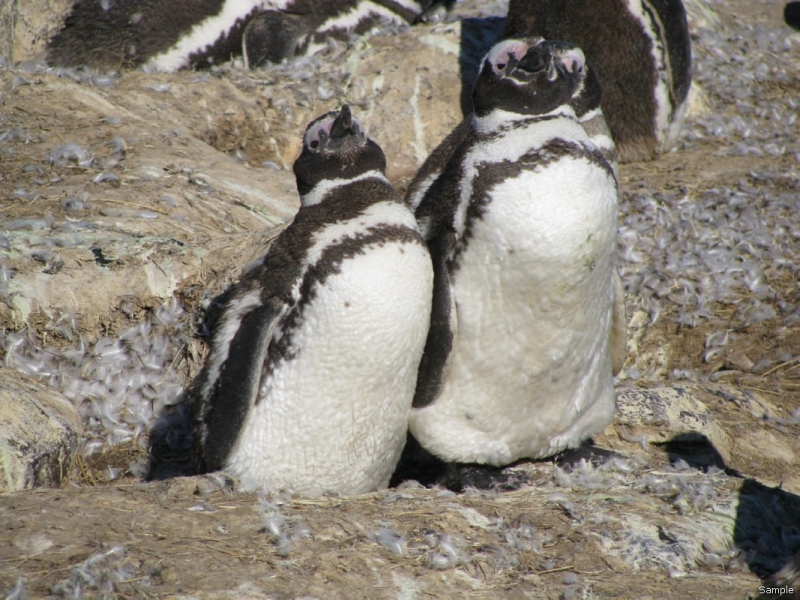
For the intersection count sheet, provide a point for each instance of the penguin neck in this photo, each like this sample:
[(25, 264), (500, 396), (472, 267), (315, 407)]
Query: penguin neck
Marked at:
[(321, 191), (499, 121)]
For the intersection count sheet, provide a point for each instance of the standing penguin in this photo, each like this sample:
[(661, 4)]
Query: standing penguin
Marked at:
[(521, 223), (312, 368), (641, 53)]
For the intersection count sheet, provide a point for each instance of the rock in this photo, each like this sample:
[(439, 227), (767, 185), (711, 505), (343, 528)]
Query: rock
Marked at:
[(39, 434), (26, 25), (665, 413), (143, 207)]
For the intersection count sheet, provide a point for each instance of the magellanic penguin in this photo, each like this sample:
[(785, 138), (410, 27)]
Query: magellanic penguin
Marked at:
[(521, 223), (167, 35), (313, 364), (641, 53)]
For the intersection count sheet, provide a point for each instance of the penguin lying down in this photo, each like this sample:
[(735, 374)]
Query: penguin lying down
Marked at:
[(318, 355), (313, 364), (167, 35)]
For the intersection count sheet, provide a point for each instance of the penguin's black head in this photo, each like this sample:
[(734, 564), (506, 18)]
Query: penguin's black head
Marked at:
[(335, 146), (588, 96), (528, 76)]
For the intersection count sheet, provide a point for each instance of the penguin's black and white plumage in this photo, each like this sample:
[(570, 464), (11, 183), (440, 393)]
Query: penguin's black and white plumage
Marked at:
[(167, 35), (641, 53), (313, 364), (521, 223), (585, 103)]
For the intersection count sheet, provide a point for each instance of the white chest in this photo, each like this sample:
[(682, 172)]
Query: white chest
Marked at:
[(333, 417), (530, 372)]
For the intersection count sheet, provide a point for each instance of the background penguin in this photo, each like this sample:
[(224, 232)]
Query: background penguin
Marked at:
[(271, 35), (313, 364), (167, 35), (521, 224), (641, 52)]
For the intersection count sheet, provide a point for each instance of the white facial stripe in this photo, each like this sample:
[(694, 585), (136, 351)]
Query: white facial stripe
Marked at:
[(231, 320), (208, 31), (324, 187), (350, 19), (510, 144), (573, 59), (324, 124), (500, 52)]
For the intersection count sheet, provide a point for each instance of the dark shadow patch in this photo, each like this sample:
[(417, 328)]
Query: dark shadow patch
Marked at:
[(697, 451), (767, 531), (767, 526), (791, 14), (171, 436), (477, 38)]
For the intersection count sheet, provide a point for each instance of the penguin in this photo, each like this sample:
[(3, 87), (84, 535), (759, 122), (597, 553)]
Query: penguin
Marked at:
[(527, 309), (641, 53), (312, 367), (168, 35)]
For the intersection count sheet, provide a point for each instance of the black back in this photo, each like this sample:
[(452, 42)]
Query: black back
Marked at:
[(619, 52)]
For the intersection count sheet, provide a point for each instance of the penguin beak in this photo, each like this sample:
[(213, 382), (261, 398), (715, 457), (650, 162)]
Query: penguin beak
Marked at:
[(537, 59), (343, 124)]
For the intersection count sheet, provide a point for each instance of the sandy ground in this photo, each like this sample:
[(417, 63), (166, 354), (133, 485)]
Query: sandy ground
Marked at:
[(188, 184)]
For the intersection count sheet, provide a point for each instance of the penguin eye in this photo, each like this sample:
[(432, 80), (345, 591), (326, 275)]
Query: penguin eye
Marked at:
[(313, 143)]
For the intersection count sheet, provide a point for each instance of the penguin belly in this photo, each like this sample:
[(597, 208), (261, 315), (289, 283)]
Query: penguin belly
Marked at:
[(332, 417), (529, 374)]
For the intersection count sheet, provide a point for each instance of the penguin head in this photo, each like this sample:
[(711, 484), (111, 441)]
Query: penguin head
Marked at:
[(336, 146), (528, 76)]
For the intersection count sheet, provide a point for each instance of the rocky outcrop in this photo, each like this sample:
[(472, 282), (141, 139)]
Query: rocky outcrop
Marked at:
[(27, 25), (39, 434)]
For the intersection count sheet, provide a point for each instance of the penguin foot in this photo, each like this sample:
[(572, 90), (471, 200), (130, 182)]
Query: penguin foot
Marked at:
[(586, 451), (419, 465), (458, 477)]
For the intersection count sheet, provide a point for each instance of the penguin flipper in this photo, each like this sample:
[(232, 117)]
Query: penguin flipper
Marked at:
[(441, 335), (436, 162), (618, 343), (232, 394)]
